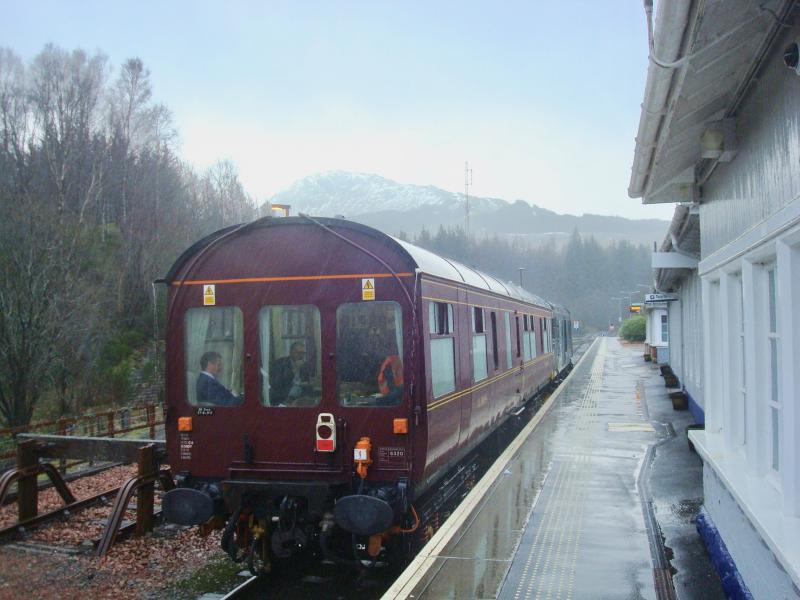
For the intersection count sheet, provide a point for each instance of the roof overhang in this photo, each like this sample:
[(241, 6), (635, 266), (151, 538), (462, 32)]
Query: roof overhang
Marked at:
[(680, 251), (709, 52)]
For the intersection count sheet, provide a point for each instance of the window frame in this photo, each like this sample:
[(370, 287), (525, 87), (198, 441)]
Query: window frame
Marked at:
[(238, 317), (773, 380), (338, 353), (317, 336), (433, 309), (478, 322)]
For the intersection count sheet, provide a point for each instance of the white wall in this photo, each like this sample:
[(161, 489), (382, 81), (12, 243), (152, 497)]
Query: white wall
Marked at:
[(686, 337)]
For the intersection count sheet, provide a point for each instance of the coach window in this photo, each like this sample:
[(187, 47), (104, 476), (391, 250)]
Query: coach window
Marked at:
[(532, 338), (507, 323), (495, 353), (442, 338), (290, 366), (519, 346), (480, 369), (526, 338), (543, 334), (369, 354), (214, 356)]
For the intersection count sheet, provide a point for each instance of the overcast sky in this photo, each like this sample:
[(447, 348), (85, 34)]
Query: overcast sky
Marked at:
[(542, 98)]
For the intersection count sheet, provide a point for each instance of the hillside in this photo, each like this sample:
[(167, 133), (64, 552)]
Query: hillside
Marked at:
[(394, 207)]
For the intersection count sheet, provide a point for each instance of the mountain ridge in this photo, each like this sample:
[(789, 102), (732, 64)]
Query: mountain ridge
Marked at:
[(394, 207)]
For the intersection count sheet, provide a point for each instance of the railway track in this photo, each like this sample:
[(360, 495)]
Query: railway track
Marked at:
[(11, 497), (18, 528)]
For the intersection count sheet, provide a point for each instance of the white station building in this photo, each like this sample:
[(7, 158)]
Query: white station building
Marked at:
[(719, 135)]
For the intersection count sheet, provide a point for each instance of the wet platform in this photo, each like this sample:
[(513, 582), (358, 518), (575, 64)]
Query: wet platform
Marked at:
[(561, 515)]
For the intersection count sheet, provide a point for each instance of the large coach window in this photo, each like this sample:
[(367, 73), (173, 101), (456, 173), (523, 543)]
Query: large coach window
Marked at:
[(443, 374), (507, 318), (526, 338), (290, 355), (369, 351), (480, 370), (214, 352)]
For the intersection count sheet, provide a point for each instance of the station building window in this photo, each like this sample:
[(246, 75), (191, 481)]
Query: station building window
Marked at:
[(737, 358), (214, 350), (773, 340), (290, 366), (369, 351), (479, 364), (442, 347), (664, 329)]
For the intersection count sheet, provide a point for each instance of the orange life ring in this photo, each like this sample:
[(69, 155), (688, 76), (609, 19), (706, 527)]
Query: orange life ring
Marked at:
[(396, 364)]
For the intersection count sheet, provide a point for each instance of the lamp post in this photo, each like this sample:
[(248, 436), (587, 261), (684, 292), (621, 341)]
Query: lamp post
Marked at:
[(619, 309), (630, 296)]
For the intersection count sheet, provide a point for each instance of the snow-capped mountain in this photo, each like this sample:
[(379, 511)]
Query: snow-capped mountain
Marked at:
[(352, 194), (394, 207)]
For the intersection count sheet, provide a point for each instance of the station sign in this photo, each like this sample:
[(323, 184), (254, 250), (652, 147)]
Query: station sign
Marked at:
[(654, 298)]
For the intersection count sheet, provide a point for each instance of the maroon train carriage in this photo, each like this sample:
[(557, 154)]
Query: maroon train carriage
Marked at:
[(321, 376)]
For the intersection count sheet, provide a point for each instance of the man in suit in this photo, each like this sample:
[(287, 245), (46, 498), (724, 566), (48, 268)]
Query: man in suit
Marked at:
[(288, 375), (208, 389)]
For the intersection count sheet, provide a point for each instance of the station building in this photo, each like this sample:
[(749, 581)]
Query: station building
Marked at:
[(719, 134)]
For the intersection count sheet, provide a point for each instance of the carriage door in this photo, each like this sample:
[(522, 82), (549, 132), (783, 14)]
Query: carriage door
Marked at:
[(372, 381)]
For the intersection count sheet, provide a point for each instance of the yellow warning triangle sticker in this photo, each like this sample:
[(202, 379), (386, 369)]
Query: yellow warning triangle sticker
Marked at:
[(368, 284), (209, 291)]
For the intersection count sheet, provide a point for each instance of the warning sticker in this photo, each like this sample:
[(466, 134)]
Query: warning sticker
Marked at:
[(209, 295), (368, 289)]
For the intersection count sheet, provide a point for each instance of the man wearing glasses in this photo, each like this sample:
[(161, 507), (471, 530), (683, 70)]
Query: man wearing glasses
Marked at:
[(289, 377)]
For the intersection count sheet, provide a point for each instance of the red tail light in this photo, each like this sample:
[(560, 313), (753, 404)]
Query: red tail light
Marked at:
[(326, 433)]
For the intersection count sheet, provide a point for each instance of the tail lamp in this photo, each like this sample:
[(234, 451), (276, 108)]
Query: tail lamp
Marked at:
[(326, 433), (362, 456)]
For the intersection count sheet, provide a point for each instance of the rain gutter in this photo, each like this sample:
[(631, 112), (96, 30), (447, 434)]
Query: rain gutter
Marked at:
[(669, 39)]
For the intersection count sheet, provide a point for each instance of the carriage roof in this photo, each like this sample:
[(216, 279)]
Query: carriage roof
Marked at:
[(426, 262)]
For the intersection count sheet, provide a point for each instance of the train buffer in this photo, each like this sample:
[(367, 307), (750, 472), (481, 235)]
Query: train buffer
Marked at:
[(577, 505)]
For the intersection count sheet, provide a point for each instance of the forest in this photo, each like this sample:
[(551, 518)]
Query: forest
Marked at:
[(97, 203)]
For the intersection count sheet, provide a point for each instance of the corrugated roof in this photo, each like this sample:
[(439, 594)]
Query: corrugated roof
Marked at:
[(727, 41)]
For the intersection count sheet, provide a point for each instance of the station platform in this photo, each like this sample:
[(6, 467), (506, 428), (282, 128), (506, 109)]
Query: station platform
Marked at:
[(565, 512)]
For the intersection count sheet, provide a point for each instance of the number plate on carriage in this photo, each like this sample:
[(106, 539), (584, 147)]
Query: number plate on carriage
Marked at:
[(204, 411), (391, 457)]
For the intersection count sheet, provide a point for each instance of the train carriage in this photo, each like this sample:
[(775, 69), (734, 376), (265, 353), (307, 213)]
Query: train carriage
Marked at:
[(322, 376)]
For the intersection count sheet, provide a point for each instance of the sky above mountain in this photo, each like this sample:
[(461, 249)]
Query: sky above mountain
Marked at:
[(542, 98)]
